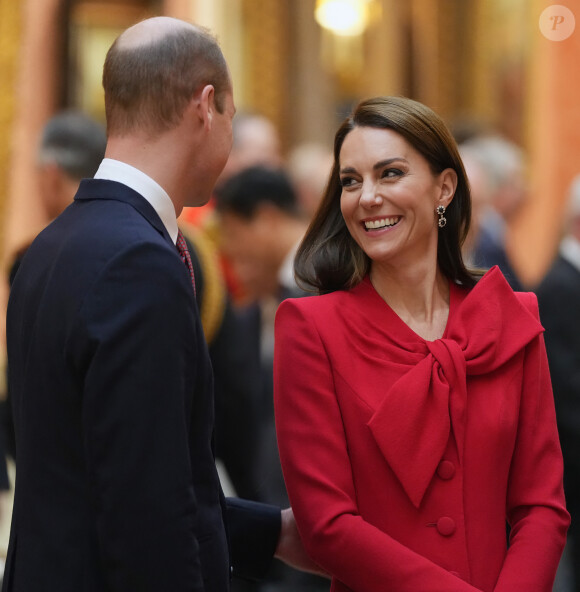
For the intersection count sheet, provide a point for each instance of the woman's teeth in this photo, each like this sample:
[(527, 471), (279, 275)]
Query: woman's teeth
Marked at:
[(381, 223)]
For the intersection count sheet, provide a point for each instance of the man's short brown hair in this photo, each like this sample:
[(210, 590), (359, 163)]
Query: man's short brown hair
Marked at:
[(148, 86)]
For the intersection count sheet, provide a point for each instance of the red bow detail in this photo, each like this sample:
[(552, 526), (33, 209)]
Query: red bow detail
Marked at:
[(416, 418)]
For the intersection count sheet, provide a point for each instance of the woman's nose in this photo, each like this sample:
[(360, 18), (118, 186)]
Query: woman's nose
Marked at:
[(369, 195)]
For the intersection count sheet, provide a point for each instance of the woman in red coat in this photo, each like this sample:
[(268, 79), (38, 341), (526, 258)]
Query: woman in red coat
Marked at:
[(413, 402)]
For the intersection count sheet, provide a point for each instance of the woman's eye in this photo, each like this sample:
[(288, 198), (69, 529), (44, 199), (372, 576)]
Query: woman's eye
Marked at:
[(347, 181), (390, 173)]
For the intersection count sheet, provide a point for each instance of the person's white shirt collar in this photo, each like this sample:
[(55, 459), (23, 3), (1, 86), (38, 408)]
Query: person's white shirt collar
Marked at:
[(286, 272), (115, 170), (570, 250)]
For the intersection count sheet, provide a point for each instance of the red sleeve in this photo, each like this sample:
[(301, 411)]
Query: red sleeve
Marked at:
[(535, 504), (317, 471)]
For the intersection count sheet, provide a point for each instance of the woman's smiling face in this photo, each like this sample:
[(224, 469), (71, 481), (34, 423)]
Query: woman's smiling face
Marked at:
[(389, 195)]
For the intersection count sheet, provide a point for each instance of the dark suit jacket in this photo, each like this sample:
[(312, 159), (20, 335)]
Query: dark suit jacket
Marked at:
[(270, 487), (269, 481), (236, 380), (113, 406), (559, 299)]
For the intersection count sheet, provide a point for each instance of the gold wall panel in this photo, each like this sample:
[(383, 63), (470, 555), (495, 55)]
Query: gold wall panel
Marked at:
[(10, 39), (266, 38)]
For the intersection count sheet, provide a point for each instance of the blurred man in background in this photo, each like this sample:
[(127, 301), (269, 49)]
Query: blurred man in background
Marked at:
[(309, 167), (559, 300), (498, 182), (71, 147), (480, 196), (261, 225), (256, 142)]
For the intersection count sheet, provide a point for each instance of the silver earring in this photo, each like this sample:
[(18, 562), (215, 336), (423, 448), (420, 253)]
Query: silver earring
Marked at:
[(440, 210)]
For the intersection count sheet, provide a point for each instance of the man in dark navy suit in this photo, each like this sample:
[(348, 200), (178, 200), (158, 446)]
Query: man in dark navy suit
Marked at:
[(108, 367), (496, 169)]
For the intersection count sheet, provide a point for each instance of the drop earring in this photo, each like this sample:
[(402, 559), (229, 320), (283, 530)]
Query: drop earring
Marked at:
[(440, 210)]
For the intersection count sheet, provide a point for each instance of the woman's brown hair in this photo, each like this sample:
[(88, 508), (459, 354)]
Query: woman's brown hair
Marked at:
[(328, 258)]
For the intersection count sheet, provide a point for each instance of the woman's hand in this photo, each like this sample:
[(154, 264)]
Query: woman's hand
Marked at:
[(290, 549)]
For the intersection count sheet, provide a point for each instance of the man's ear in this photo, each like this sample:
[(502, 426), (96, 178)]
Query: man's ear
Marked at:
[(206, 105), (448, 184)]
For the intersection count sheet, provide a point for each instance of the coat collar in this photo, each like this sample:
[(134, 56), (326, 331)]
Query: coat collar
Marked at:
[(427, 405), (92, 189)]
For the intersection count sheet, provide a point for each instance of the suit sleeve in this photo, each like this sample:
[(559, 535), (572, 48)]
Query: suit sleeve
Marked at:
[(558, 299), (535, 504), (130, 346), (237, 384), (254, 530), (318, 474)]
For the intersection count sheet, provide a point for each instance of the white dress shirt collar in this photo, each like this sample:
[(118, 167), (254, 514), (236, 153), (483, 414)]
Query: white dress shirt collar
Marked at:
[(570, 250), (115, 170)]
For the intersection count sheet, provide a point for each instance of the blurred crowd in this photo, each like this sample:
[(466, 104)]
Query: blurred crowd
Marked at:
[(242, 245)]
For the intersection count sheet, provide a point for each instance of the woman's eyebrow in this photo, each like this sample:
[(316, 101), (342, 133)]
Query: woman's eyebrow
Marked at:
[(378, 165), (388, 161)]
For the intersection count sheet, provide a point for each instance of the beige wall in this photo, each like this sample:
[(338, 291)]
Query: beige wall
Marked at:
[(553, 142), (38, 76)]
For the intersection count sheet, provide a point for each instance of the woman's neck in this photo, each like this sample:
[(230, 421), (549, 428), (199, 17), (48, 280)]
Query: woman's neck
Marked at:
[(418, 294)]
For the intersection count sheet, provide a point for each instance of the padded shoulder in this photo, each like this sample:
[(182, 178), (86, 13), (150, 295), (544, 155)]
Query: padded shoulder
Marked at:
[(530, 301)]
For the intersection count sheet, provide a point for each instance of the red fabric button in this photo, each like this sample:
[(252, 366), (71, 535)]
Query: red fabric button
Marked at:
[(446, 470), (446, 526)]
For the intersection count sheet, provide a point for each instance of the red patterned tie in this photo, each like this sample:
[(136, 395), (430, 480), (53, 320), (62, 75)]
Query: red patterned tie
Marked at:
[(185, 256)]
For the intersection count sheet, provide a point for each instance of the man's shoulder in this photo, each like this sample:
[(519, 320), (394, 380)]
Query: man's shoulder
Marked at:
[(93, 242), (561, 275), (88, 228), (565, 270)]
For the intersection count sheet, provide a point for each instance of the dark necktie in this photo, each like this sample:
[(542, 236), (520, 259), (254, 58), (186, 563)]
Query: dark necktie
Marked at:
[(185, 256)]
